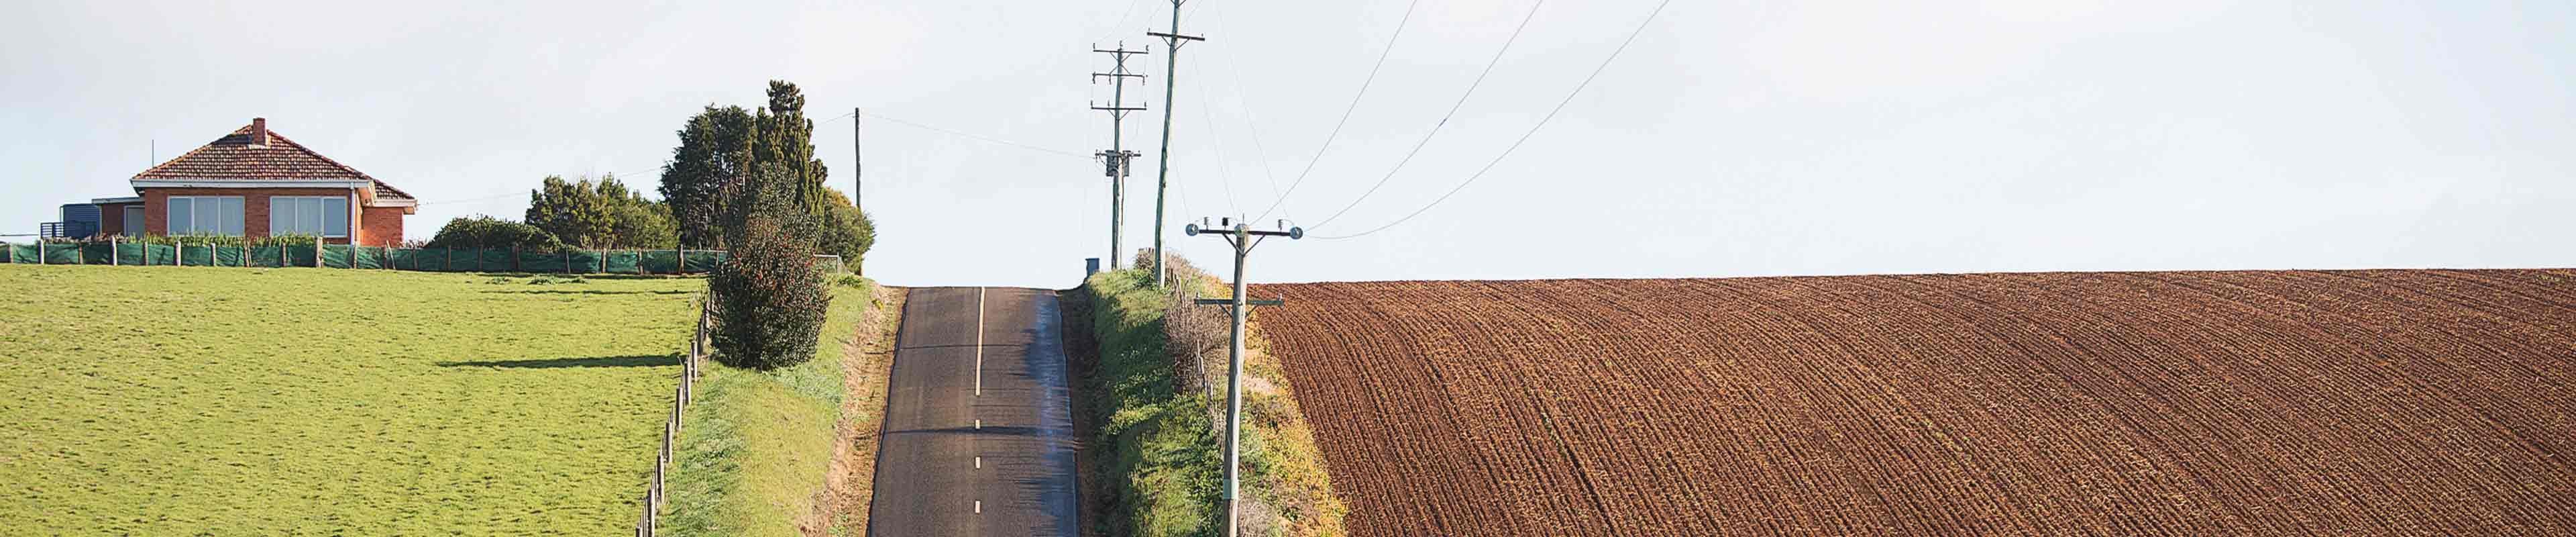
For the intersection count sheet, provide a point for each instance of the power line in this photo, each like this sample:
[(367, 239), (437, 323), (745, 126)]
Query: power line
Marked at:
[(1346, 111), (1444, 117), (1542, 122), (979, 137), (1097, 29), (1224, 176), (485, 198), (1250, 124), (514, 193)]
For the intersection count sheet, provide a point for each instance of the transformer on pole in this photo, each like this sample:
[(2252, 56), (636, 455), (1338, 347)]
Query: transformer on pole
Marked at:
[(1117, 158)]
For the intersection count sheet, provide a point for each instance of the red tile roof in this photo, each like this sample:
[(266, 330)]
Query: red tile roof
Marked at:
[(234, 157)]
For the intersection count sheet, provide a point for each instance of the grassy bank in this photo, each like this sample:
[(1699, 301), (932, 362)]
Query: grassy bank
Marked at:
[(1159, 450), (756, 446), (195, 400)]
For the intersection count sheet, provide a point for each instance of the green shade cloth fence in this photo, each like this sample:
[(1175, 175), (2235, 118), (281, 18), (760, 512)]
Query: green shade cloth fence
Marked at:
[(62, 254), (344, 256)]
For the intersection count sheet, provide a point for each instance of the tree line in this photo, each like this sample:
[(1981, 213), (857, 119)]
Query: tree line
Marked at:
[(724, 155), (743, 180)]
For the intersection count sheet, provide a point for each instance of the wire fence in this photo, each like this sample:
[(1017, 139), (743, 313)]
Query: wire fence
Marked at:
[(697, 351), (343, 256)]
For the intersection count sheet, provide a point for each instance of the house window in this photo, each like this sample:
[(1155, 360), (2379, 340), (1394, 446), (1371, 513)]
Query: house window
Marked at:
[(130, 221), (205, 215), (327, 216)]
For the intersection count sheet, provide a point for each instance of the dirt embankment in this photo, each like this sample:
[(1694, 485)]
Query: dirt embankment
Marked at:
[(850, 485)]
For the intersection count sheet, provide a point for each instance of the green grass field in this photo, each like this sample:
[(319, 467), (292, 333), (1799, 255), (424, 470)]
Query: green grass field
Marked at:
[(758, 444), (230, 401)]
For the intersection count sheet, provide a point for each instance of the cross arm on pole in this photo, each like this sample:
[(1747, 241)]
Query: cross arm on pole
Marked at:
[(1176, 36)]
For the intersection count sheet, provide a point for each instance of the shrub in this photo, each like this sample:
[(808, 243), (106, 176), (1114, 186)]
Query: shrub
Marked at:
[(770, 299), (488, 232), (1194, 334), (600, 214), (844, 230)]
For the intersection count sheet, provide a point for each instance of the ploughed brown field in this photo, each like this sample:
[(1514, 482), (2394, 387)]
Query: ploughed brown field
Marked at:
[(2165, 403)]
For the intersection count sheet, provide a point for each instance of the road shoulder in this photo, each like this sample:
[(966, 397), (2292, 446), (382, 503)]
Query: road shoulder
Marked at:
[(843, 507)]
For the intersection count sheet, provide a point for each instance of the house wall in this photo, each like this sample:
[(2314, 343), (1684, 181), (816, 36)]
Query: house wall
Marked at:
[(111, 217), (156, 212), (381, 226)]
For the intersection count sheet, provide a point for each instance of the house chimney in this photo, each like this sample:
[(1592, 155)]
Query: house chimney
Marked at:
[(259, 131)]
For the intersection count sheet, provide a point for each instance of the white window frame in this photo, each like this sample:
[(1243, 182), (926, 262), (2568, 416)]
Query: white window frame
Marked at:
[(129, 220), (199, 221), (289, 208)]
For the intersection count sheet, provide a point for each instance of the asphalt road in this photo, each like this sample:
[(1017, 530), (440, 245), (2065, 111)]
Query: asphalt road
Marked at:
[(979, 429)]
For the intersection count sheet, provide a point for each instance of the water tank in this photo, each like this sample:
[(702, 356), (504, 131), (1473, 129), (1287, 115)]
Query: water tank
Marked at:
[(80, 220)]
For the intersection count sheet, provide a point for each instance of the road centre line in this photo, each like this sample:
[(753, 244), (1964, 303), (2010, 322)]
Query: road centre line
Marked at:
[(979, 342)]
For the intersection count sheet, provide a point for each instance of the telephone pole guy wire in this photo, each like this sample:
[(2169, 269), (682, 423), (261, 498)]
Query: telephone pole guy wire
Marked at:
[(978, 137)]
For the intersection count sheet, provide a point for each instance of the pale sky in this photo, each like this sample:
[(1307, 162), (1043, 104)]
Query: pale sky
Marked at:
[(1731, 139)]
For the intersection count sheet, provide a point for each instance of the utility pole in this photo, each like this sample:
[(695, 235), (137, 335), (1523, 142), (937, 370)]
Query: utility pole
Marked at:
[(1242, 237), (1163, 175), (1117, 157), (858, 182)]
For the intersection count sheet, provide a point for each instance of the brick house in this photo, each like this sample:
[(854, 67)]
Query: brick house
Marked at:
[(255, 183)]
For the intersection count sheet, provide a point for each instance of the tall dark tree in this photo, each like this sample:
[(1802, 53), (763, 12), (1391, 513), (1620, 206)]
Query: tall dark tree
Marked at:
[(775, 143), (782, 139), (711, 154), (769, 297)]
